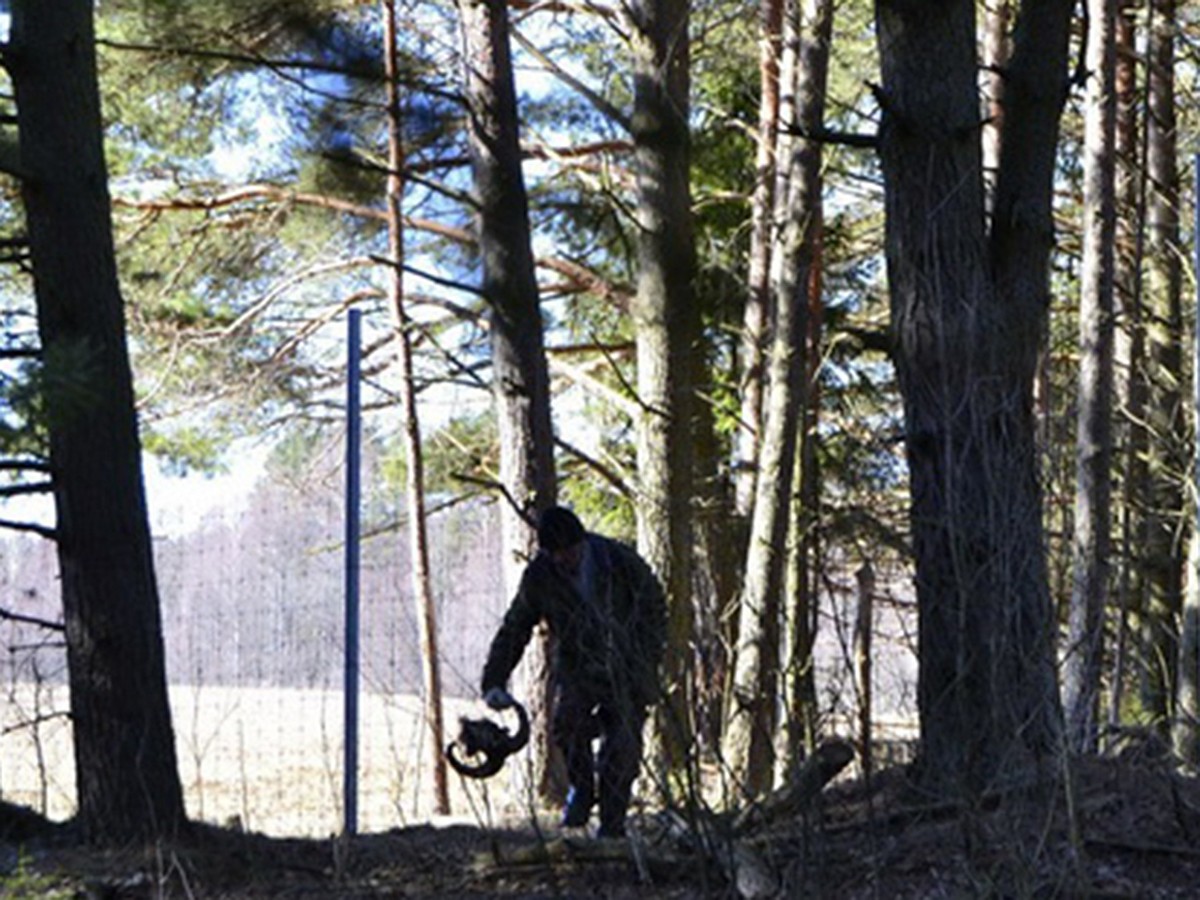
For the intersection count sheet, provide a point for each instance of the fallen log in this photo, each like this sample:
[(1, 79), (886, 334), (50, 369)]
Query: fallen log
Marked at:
[(810, 779), (724, 840)]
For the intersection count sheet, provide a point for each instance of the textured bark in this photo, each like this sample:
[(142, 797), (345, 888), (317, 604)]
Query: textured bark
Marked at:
[(758, 298), (422, 582), (126, 773), (1162, 526), (1128, 347), (1092, 539), (753, 722), (520, 376), (968, 311), (667, 322)]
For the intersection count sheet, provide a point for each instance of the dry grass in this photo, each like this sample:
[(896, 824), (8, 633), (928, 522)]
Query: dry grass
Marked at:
[(264, 759)]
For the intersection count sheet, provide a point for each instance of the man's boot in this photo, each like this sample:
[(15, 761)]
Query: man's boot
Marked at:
[(579, 807)]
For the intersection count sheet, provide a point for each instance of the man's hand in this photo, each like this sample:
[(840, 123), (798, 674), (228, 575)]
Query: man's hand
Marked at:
[(498, 698)]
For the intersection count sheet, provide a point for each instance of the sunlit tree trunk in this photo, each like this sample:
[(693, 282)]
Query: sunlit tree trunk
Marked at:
[(997, 30), (758, 296), (126, 773), (1092, 539), (1128, 349), (750, 735), (415, 475), (521, 382)]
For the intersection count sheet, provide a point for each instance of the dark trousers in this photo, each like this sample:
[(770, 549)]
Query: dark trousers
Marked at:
[(580, 718)]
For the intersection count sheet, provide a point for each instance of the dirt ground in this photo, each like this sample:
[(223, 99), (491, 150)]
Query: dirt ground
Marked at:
[(1127, 829)]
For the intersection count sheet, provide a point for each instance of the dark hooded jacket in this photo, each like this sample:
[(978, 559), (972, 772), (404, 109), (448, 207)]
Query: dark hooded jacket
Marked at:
[(609, 646)]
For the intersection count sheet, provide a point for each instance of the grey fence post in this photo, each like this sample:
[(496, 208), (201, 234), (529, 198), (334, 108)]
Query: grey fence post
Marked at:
[(353, 494)]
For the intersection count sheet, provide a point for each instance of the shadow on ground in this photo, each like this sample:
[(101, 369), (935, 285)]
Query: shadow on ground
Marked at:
[(1126, 829)]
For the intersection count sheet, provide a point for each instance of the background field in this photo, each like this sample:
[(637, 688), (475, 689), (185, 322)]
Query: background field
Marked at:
[(253, 607), (267, 758)]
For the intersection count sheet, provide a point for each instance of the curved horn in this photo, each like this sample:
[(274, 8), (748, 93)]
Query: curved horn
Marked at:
[(491, 764), (521, 737)]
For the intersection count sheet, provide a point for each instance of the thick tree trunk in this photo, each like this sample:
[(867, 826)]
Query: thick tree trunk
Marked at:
[(126, 774), (521, 380), (667, 322), (1092, 540), (422, 582), (968, 313)]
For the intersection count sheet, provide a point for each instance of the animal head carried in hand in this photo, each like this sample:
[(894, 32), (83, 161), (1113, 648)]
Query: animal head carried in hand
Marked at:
[(493, 743)]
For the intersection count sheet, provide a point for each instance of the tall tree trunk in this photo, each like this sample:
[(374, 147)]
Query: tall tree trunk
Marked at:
[(667, 322), (1092, 540), (715, 577), (750, 735), (415, 476), (1186, 733), (758, 295), (1128, 347), (521, 380), (1162, 538), (968, 313), (126, 773), (804, 546)]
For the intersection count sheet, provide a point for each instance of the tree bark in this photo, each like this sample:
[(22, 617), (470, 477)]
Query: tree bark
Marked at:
[(1092, 539), (1127, 345), (997, 27), (422, 583), (126, 773), (753, 722), (521, 381), (968, 310), (667, 322), (1163, 532), (758, 298)]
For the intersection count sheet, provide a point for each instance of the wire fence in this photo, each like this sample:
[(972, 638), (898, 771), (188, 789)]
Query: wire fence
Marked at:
[(252, 603)]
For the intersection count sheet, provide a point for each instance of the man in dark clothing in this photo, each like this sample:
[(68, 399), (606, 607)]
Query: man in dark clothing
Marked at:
[(606, 611)]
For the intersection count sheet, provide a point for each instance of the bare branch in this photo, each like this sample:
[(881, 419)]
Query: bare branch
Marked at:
[(606, 472), (601, 104), (25, 490), (9, 616), (33, 528)]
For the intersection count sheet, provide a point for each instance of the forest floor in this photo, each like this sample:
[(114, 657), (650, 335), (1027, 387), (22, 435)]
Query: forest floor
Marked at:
[(1128, 829)]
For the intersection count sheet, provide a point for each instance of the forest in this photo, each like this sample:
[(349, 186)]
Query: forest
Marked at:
[(800, 298)]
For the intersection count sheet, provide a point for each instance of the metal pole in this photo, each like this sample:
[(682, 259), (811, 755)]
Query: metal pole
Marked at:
[(353, 493)]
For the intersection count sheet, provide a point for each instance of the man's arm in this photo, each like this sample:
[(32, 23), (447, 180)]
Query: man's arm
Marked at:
[(509, 643)]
